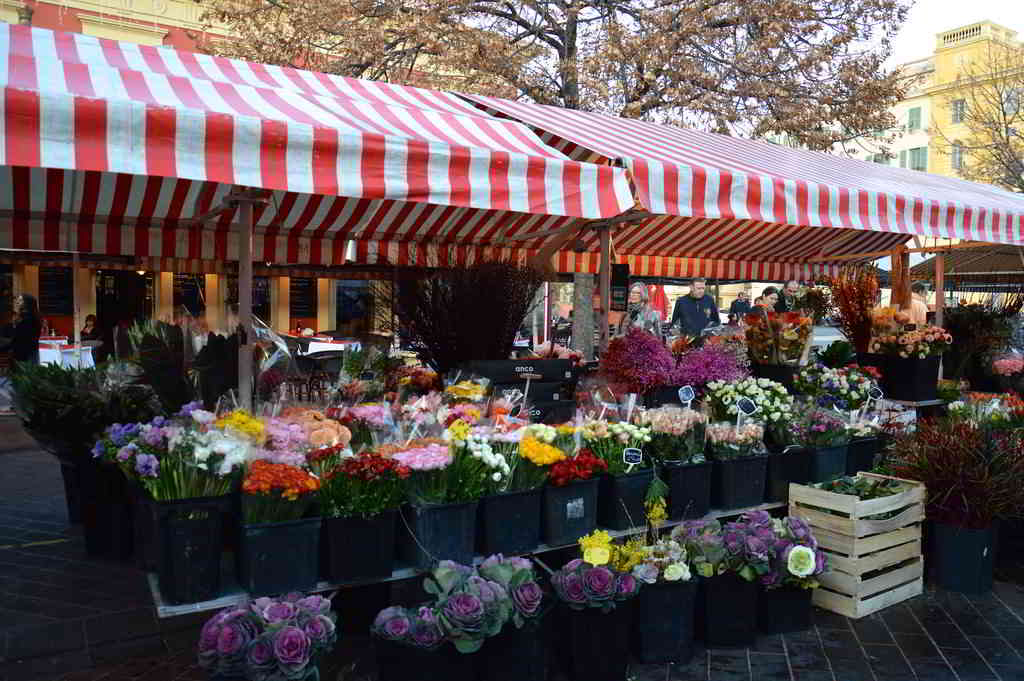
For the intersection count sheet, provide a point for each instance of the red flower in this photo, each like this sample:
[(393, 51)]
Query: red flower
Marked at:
[(583, 467)]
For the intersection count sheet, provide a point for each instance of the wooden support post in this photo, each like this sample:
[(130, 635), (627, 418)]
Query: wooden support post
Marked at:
[(245, 351), (605, 285), (940, 288)]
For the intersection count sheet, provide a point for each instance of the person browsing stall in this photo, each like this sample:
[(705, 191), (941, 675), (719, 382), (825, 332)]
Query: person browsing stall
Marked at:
[(639, 313), (696, 311), (788, 299)]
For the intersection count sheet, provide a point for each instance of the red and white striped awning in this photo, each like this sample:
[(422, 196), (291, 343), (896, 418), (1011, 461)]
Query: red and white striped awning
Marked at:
[(718, 197), (112, 147)]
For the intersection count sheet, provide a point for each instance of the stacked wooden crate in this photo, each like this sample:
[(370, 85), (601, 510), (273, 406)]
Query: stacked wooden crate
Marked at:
[(874, 562)]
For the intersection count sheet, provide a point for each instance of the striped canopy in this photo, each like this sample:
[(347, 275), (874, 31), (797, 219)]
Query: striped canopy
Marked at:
[(112, 147)]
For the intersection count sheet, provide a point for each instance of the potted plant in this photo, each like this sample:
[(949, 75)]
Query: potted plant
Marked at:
[(972, 475), (696, 367), (867, 440), (509, 515), (664, 607), (1009, 369), (824, 434), (279, 548), (740, 464), (677, 445), (778, 342), (269, 639), (187, 469), (730, 559), (359, 500), (784, 603), (445, 486), (597, 621), (570, 497), (911, 356), (623, 489), (410, 646), (519, 650)]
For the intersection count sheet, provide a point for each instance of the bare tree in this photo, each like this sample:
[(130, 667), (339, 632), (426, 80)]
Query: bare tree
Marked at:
[(809, 69), (988, 145)]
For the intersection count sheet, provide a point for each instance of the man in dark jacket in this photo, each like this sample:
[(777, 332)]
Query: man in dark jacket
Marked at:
[(787, 297), (740, 307), (695, 312)]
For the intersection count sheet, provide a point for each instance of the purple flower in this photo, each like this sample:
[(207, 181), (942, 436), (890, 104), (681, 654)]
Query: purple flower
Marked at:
[(573, 564), (98, 449), (464, 612), (599, 583), (187, 409), (626, 587), (280, 611), (527, 598), (153, 436), (147, 465), (646, 573), (232, 638), (127, 452), (291, 647), (314, 604), (259, 658), (425, 632), (392, 623), (486, 590), (319, 628), (569, 586)]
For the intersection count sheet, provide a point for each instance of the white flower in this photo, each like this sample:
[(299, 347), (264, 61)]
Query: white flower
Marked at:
[(677, 572), (203, 417), (496, 477), (801, 561)]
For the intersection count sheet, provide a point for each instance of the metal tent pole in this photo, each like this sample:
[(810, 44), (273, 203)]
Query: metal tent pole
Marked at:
[(605, 283), (245, 351)]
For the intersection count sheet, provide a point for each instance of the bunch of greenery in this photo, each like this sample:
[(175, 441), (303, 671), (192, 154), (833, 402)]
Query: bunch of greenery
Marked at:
[(980, 330)]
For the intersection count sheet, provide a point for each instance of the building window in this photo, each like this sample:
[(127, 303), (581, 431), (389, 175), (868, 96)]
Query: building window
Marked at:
[(878, 158), (958, 156), (919, 158), (914, 118), (1011, 102), (903, 159), (959, 110)]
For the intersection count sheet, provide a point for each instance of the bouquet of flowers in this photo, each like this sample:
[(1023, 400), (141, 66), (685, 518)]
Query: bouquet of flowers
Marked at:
[(534, 456), (818, 428), (418, 380), (470, 608), (556, 351), (714, 361), (453, 472), (413, 627), (581, 585), (797, 560), (184, 457), (516, 576), (367, 422), (745, 547), (1008, 365), (638, 362), (728, 441), (276, 492), (607, 440), (476, 447), (583, 466), (664, 561), (778, 337), (773, 401), (677, 434), (269, 639), (891, 335), (845, 389), (461, 387), (365, 486), (320, 430)]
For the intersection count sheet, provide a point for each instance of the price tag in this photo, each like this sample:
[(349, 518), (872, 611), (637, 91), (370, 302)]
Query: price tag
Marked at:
[(875, 393), (686, 395), (631, 456), (746, 406)]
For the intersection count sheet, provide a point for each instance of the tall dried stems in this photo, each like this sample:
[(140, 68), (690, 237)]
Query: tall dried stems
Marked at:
[(854, 291)]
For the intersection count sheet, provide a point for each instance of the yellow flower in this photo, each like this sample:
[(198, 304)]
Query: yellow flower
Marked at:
[(627, 556), (597, 545), (459, 430), (656, 512), (539, 453), (566, 429)]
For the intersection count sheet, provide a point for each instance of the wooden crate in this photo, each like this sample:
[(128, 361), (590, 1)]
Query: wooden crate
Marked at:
[(872, 563)]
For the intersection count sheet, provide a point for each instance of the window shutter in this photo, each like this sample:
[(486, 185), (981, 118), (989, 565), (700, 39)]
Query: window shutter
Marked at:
[(903, 159)]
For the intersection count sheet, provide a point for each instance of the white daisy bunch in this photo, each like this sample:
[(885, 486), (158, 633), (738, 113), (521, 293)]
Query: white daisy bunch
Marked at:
[(773, 401)]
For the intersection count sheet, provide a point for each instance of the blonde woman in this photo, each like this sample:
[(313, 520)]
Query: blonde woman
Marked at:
[(640, 314)]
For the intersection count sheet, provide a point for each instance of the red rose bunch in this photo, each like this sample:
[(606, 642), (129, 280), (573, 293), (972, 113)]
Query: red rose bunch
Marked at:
[(583, 467), (364, 486)]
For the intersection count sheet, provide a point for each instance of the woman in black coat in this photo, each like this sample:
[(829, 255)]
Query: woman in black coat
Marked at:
[(25, 331)]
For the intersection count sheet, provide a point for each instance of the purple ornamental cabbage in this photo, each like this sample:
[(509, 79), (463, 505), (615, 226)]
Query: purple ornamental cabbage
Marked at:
[(260, 662), (526, 598), (599, 583), (568, 585), (391, 623), (626, 587), (292, 649)]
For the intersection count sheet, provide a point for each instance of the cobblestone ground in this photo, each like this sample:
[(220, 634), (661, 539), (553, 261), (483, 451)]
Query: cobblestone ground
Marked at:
[(64, 616)]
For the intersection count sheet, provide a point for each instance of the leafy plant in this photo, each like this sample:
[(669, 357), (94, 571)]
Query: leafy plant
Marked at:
[(854, 291), (159, 349), (838, 354), (980, 329), (467, 313), (863, 488)]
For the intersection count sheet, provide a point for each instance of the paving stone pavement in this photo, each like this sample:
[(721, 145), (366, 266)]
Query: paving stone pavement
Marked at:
[(64, 616)]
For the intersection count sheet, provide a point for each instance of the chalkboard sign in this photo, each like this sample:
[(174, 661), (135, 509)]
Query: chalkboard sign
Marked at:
[(302, 297), (56, 291), (188, 292)]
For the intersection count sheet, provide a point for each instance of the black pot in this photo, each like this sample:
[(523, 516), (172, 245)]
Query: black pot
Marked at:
[(962, 559), (72, 491), (277, 558), (360, 549), (599, 643), (515, 654), (911, 379), (780, 373), (663, 628), (396, 662), (620, 501), (106, 511), (689, 488), (509, 523), (666, 394), (144, 525), (738, 483), (727, 611), (792, 466), (828, 463), (862, 453), (438, 532), (784, 610), (569, 512), (188, 547)]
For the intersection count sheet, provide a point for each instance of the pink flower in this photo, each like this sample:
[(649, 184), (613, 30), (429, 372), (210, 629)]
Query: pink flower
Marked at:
[(430, 458)]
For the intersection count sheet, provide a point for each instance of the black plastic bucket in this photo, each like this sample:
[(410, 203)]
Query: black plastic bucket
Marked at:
[(569, 512), (509, 523), (438, 532), (784, 610), (663, 628), (738, 483), (188, 547), (963, 559), (360, 549), (277, 558), (620, 500), (689, 488)]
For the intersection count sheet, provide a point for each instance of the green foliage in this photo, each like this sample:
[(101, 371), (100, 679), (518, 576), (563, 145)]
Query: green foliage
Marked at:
[(838, 354), (159, 350)]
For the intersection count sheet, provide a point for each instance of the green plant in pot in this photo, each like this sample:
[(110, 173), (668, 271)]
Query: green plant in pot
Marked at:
[(973, 480), (825, 434)]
